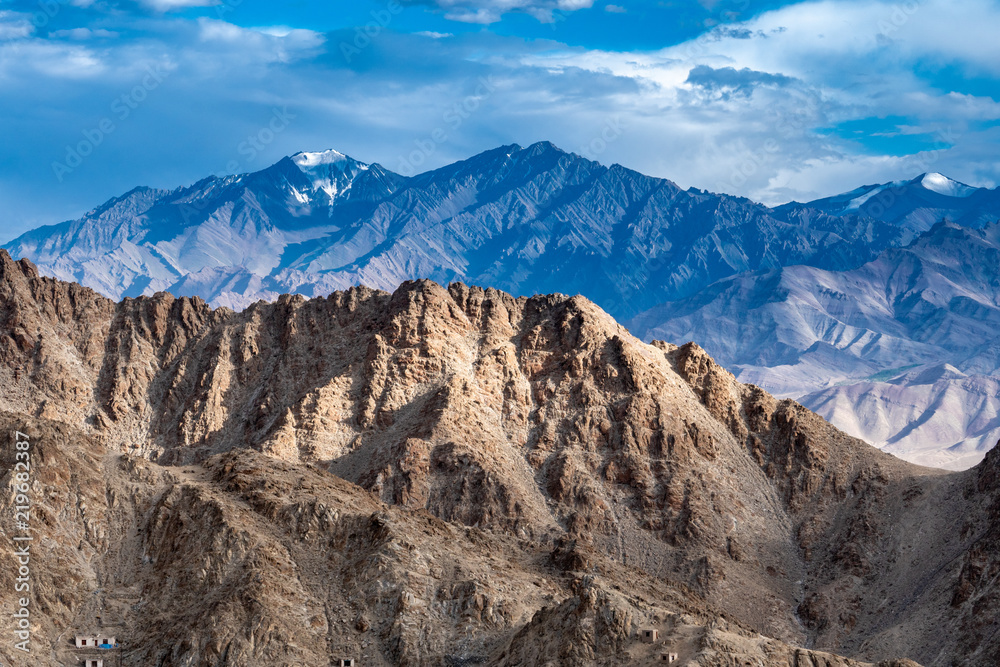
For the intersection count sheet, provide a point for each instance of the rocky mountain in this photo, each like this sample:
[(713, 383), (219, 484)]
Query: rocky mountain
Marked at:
[(458, 476), (936, 415), (525, 220), (538, 220), (226, 234), (799, 330), (916, 205)]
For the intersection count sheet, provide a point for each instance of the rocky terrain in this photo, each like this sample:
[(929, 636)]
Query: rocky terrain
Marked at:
[(454, 476), (829, 280), (934, 414), (835, 338)]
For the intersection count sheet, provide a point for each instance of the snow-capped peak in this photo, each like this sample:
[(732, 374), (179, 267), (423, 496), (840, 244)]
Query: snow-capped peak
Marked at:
[(943, 185), (309, 160), (330, 171)]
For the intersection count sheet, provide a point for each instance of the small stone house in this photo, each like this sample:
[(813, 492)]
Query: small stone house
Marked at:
[(93, 662), (649, 635), (668, 658), (348, 662), (94, 641)]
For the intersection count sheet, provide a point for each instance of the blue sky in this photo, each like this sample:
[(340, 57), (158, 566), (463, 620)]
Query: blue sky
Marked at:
[(772, 100)]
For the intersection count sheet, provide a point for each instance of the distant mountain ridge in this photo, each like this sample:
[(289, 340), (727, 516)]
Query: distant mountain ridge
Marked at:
[(237, 226), (815, 301), (801, 330), (937, 414), (916, 205), (526, 220)]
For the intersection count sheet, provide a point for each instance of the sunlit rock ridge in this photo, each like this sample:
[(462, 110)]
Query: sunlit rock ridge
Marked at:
[(775, 293)]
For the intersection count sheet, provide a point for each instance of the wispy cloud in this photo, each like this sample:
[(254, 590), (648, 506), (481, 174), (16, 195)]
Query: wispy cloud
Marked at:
[(174, 5), (15, 25), (491, 11), (779, 79), (83, 34)]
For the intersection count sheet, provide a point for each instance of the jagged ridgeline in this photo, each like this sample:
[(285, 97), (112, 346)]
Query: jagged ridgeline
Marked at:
[(830, 302), (453, 476)]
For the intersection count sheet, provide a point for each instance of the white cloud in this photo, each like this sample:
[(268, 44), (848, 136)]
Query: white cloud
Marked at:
[(271, 44), (215, 30), (15, 25), (173, 5), (50, 59), (757, 119), (81, 34), (615, 9), (491, 11), (807, 37), (275, 30)]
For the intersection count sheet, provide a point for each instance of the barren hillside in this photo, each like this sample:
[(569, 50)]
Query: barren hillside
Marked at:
[(455, 476)]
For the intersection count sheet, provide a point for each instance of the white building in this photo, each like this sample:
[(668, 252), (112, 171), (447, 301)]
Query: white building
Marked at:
[(94, 641)]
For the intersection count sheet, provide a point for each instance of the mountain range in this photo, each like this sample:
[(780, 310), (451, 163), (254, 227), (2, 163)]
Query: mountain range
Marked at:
[(455, 476), (863, 346), (917, 204), (526, 220), (824, 301)]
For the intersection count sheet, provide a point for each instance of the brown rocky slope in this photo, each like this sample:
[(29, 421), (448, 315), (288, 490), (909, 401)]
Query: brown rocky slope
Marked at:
[(603, 484)]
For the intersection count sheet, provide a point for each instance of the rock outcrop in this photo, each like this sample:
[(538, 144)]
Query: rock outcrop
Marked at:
[(456, 476)]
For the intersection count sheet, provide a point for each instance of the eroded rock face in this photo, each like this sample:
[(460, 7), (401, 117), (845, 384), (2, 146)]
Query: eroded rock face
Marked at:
[(538, 423), (247, 560)]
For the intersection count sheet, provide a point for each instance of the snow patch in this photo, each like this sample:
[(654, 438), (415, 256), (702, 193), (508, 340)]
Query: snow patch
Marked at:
[(330, 171), (306, 161), (943, 185), (858, 202)]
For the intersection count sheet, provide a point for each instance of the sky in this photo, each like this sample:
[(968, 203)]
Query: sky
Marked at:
[(772, 100)]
